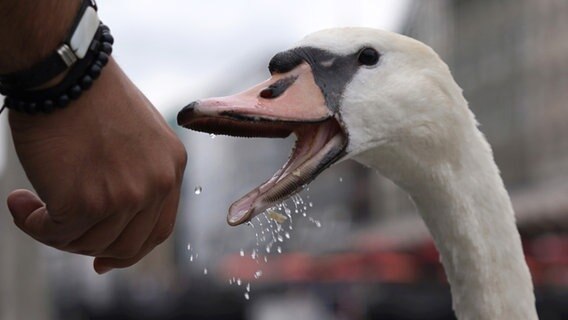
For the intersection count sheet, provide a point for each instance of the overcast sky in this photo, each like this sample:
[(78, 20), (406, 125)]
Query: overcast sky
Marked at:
[(175, 50)]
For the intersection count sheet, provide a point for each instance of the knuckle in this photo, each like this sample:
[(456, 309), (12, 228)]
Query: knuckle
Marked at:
[(165, 182), (129, 196), (163, 233), (181, 156), (93, 207)]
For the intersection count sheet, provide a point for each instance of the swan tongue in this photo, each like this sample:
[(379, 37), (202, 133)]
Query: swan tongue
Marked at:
[(304, 166)]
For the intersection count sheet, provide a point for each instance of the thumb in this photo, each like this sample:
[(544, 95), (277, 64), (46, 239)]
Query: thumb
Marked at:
[(22, 203)]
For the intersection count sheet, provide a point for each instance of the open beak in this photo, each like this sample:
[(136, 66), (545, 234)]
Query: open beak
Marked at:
[(286, 103)]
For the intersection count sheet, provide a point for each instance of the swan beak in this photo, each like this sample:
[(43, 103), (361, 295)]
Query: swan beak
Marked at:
[(288, 102), (285, 98)]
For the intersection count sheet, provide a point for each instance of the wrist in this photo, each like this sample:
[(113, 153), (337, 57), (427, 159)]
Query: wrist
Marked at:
[(30, 30)]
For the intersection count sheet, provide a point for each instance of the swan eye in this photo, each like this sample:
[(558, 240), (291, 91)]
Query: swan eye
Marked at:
[(368, 57)]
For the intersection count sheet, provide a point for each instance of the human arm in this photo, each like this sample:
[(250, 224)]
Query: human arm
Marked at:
[(107, 167)]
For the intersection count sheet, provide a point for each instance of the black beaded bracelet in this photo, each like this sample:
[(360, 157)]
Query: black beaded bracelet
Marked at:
[(83, 55)]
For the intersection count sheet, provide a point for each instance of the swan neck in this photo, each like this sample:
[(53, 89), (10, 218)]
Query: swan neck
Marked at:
[(469, 214)]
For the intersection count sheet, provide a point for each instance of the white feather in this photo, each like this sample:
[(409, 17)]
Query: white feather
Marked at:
[(407, 118)]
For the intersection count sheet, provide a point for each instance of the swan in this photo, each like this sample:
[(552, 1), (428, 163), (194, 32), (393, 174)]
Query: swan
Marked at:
[(390, 103)]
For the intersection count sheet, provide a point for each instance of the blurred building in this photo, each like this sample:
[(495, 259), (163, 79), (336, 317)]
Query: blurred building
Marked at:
[(511, 59)]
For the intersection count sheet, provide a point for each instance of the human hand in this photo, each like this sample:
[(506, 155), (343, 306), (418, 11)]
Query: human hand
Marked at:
[(107, 169)]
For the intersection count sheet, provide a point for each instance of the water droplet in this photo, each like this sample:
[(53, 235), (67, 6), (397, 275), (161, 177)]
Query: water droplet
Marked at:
[(280, 238), (316, 222), (248, 287), (230, 281), (188, 246), (265, 259), (279, 250), (247, 295), (340, 179), (197, 190), (205, 271), (304, 214), (242, 253), (239, 281), (268, 249), (258, 274), (287, 235), (310, 204), (191, 258), (212, 135), (253, 254)]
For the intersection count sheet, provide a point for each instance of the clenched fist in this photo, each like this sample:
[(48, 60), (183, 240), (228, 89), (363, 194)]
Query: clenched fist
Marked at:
[(107, 170)]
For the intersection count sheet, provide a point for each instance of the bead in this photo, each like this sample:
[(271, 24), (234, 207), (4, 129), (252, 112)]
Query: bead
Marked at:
[(105, 28), (20, 105), (102, 58), (75, 92), (106, 47), (30, 107), (48, 106), (95, 71), (107, 37), (63, 101), (86, 82)]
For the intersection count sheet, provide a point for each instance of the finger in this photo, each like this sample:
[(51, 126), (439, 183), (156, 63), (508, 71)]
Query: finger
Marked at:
[(160, 233), (134, 235), (97, 239), (31, 216)]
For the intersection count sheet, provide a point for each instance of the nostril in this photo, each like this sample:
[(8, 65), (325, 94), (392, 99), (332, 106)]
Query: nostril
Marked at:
[(267, 93), (186, 111), (276, 89)]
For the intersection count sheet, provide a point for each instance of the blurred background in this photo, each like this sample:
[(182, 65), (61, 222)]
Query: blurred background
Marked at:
[(355, 248)]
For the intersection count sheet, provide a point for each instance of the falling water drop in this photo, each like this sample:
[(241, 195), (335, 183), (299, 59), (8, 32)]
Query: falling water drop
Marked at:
[(279, 249), (239, 281), (191, 258), (197, 190), (280, 238), (247, 295), (287, 235), (310, 204), (205, 271), (248, 287), (258, 274), (340, 179), (242, 253), (253, 254), (188, 246)]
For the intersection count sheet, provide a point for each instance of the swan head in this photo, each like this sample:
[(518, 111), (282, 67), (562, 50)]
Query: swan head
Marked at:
[(343, 93)]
